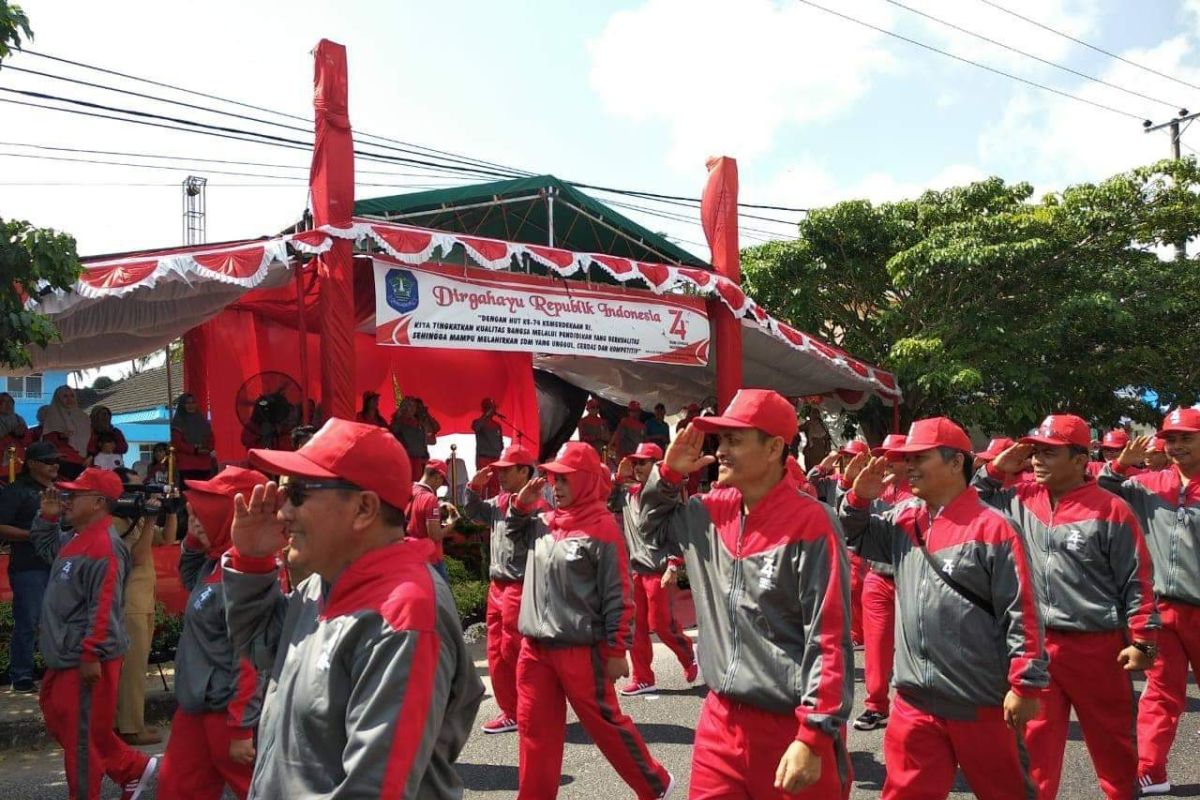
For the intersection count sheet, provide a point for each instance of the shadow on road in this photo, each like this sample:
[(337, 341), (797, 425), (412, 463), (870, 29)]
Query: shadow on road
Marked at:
[(653, 733), (494, 777)]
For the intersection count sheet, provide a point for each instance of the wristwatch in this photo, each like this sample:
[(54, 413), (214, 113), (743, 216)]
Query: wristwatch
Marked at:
[(1149, 648)]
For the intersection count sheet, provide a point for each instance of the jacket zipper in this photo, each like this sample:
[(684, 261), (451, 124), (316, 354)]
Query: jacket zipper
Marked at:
[(1049, 603), (922, 593), (1180, 520), (734, 589)]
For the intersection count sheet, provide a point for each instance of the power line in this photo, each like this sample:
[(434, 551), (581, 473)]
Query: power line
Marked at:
[(1088, 45), (200, 160), (298, 178), (465, 160), (250, 106), (993, 70), (1039, 59)]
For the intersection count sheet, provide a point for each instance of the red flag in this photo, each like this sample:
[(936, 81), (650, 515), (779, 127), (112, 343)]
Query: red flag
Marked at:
[(718, 213)]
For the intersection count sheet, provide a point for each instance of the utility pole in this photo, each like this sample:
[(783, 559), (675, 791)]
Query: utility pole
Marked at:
[(1176, 132)]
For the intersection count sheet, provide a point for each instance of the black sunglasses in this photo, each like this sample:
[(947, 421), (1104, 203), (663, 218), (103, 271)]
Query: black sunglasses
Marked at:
[(297, 490)]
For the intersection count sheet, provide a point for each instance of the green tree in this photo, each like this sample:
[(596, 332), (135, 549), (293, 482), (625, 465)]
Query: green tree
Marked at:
[(995, 308), (32, 259)]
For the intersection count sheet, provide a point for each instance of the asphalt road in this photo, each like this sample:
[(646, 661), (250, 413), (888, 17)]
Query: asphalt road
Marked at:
[(489, 763)]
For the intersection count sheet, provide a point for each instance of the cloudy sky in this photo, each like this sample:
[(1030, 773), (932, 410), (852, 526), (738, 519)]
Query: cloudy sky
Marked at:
[(636, 94)]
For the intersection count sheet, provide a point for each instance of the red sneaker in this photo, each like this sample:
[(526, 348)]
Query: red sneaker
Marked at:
[(501, 724), (134, 789), (630, 689)]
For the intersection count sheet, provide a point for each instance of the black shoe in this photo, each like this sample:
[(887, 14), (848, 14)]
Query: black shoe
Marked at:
[(24, 687), (870, 720)]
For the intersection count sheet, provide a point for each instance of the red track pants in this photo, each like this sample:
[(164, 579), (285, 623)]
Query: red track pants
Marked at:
[(80, 718), (547, 678), (858, 570), (652, 609), (504, 642), (1085, 675), (738, 748), (879, 638), (196, 764), (1165, 695), (922, 753)]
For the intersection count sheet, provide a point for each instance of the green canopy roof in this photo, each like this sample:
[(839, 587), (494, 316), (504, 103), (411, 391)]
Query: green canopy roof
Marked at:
[(519, 211)]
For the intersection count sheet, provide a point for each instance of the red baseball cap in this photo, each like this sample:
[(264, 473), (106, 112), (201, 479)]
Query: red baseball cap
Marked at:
[(229, 481), (1115, 439), (576, 457), (854, 447), (516, 456), (647, 451), (366, 455), (1184, 420), (890, 442), (997, 446), (763, 409), (926, 434), (438, 466), (1061, 430), (101, 481), (1157, 445)]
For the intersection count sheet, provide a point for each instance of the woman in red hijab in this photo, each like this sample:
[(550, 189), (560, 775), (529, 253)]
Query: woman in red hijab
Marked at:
[(219, 692), (575, 616)]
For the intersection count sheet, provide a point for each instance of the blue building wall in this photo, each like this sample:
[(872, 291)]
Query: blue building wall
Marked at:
[(28, 404)]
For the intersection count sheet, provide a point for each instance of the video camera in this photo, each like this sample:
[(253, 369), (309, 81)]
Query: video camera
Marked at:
[(139, 500)]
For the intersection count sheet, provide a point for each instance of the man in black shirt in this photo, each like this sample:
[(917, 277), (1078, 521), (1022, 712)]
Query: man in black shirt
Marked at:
[(27, 572)]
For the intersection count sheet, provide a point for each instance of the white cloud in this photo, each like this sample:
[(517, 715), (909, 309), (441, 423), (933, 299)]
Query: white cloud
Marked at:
[(725, 75), (808, 183), (1056, 141)]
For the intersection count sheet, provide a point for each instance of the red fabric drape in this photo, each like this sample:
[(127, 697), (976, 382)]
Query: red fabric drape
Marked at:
[(195, 359), (718, 213), (332, 186)]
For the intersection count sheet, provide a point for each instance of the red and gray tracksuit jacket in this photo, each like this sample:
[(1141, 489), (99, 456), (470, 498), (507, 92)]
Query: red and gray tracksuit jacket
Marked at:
[(645, 558), (829, 486), (577, 589), (1090, 563), (83, 613), (209, 676), (1170, 516), (372, 692), (951, 655), (892, 496), (509, 548), (772, 593)]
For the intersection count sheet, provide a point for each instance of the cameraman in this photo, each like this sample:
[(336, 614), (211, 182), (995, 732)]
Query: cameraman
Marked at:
[(143, 520), (28, 573)]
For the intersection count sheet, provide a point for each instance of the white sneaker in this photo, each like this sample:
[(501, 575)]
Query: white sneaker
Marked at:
[(133, 790), (670, 787), (1148, 786)]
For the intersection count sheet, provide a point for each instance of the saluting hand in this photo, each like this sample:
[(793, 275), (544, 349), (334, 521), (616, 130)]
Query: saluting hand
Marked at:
[(856, 465), (799, 768), (829, 462), (481, 479), (686, 453), (625, 470), (531, 492), (1134, 453), (52, 504), (870, 481), (257, 530), (1013, 459)]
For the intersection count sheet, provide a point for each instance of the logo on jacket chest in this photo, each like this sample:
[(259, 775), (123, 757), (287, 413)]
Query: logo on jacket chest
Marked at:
[(64, 574), (572, 549), (766, 574), (1075, 541), (202, 598)]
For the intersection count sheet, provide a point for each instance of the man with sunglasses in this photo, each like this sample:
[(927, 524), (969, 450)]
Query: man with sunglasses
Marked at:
[(28, 573), (372, 691), (83, 637)]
